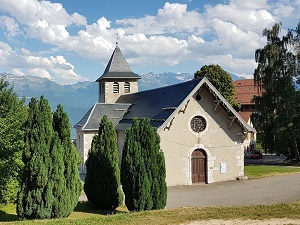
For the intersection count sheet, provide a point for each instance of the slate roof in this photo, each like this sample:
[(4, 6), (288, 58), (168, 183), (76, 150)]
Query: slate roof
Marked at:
[(92, 118), (159, 105), (156, 104), (117, 67)]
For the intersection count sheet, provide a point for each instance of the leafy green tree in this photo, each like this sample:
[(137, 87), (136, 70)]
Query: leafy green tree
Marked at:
[(102, 182), (12, 117), (277, 115), (35, 199), (221, 80), (143, 164), (71, 162)]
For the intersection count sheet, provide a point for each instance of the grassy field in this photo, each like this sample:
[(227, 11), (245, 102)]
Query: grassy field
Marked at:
[(85, 214), (258, 171)]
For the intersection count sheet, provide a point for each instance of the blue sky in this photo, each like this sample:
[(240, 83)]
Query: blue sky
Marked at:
[(70, 41)]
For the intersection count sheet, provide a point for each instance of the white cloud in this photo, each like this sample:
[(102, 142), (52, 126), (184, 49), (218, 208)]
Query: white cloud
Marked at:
[(42, 19), (39, 72), (17, 72), (11, 26), (227, 34), (244, 18), (55, 68), (172, 18)]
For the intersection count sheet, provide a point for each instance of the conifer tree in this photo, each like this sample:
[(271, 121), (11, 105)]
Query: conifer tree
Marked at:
[(57, 181), (12, 117), (50, 184), (135, 182), (35, 198), (143, 158), (155, 164), (102, 182), (71, 161)]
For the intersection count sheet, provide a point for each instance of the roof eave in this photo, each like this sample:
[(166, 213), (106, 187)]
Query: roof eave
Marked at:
[(218, 95)]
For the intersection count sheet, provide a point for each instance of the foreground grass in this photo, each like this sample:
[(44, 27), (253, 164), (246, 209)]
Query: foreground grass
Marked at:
[(259, 171), (84, 214)]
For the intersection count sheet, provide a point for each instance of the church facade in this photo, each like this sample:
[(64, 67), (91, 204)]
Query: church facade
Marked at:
[(201, 134)]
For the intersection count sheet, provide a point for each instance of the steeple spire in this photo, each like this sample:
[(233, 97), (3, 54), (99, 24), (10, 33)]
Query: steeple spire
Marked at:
[(117, 67)]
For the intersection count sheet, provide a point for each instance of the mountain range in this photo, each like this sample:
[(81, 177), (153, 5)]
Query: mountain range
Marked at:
[(78, 98)]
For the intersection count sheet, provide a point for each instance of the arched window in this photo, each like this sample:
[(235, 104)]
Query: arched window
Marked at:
[(115, 87), (126, 87)]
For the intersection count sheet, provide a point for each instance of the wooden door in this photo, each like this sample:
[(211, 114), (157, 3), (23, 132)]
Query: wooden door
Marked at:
[(198, 166)]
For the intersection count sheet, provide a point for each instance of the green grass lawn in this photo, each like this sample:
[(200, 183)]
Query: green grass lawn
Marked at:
[(259, 171), (85, 214)]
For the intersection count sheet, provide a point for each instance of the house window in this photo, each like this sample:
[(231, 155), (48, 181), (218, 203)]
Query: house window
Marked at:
[(115, 87), (126, 87)]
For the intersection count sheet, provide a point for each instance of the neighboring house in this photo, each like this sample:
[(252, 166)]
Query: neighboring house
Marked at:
[(245, 93), (201, 135)]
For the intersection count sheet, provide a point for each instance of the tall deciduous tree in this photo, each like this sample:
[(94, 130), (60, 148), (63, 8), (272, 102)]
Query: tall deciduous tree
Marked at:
[(221, 80), (143, 168), (278, 67), (12, 117), (102, 182)]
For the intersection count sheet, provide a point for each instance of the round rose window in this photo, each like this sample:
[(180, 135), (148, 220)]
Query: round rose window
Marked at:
[(198, 124)]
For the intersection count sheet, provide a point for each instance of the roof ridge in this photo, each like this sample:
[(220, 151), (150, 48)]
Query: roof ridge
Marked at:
[(164, 87)]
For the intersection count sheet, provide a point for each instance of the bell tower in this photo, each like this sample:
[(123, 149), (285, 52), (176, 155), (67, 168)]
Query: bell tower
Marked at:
[(117, 79)]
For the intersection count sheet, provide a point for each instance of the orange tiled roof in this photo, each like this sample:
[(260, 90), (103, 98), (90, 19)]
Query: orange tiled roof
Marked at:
[(245, 91), (245, 116)]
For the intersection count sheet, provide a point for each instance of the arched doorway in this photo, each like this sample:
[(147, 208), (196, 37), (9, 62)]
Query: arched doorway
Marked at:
[(198, 166)]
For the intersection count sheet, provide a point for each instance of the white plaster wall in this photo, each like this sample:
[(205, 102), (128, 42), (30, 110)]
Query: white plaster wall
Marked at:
[(222, 145), (83, 145), (121, 139)]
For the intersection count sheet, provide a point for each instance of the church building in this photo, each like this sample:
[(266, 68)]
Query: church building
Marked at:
[(201, 135)]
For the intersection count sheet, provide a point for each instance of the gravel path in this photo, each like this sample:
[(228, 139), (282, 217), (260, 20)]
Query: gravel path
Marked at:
[(270, 190)]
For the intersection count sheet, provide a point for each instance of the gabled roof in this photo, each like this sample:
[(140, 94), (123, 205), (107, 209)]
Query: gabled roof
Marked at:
[(92, 118), (118, 67), (156, 104), (159, 105), (245, 116), (245, 91), (162, 104)]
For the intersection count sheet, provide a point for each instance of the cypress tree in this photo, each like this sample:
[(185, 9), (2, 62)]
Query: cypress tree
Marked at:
[(50, 183), (35, 198), (102, 182), (57, 181), (71, 161), (143, 157), (155, 164), (134, 177)]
